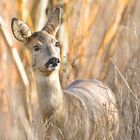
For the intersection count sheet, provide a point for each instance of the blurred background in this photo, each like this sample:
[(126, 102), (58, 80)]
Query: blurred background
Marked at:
[(100, 39)]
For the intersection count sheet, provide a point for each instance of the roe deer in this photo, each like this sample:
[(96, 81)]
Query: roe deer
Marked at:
[(86, 109)]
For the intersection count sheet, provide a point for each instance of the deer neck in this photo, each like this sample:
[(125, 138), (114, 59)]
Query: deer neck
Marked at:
[(50, 95)]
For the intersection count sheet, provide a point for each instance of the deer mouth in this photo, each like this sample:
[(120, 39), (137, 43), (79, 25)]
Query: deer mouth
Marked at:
[(48, 70), (45, 71)]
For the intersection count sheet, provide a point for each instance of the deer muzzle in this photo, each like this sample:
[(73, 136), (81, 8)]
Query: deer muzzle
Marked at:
[(52, 63)]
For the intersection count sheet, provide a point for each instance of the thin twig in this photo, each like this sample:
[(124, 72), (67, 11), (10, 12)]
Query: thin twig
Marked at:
[(125, 81)]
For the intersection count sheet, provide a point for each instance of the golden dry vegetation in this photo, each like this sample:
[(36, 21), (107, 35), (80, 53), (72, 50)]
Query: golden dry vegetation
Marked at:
[(100, 39)]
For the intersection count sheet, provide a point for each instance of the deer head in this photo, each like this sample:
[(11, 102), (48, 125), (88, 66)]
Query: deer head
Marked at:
[(42, 45)]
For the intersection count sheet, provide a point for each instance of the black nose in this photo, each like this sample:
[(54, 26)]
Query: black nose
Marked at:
[(54, 61)]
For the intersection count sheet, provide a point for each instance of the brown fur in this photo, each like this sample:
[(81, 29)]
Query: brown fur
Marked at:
[(85, 110)]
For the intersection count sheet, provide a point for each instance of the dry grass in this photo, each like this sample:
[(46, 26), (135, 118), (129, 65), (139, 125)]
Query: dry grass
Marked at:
[(93, 32)]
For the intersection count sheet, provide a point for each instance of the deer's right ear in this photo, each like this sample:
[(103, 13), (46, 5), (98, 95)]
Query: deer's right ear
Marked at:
[(20, 29)]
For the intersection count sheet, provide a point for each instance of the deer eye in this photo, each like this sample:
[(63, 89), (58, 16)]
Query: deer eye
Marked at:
[(57, 44), (36, 48)]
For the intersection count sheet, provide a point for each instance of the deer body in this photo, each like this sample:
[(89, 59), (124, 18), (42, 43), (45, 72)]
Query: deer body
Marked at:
[(85, 110), (74, 112)]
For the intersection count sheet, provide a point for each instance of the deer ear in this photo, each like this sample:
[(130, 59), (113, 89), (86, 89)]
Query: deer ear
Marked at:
[(20, 29), (54, 21)]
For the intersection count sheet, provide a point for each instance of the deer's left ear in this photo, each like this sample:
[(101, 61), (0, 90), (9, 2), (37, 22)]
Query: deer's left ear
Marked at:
[(20, 29), (54, 21)]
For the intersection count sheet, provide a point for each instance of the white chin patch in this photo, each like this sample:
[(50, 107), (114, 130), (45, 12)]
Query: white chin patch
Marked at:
[(52, 68)]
